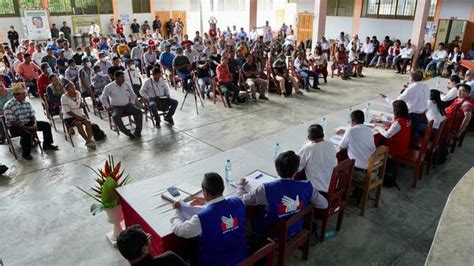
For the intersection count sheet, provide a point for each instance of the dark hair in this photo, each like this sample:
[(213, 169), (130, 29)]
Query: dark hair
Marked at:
[(358, 116), (416, 75), (466, 87), (44, 66), (131, 241), (118, 73), (69, 61), (435, 96), (115, 58), (315, 131), (85, 60), (456, 79), (400, 109), (213, 184), (156, 70), (441, 44), (287, 164)]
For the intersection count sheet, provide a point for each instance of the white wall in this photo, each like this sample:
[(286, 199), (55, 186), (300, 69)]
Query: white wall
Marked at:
[(395, 28), (334, 26), (5, 24), (461, 9)]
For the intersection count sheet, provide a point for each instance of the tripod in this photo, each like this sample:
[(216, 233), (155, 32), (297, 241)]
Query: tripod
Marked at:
[(195, 92)]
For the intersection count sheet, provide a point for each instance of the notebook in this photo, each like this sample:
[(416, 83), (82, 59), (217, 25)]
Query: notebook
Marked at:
[(186, 192), (255, 179)]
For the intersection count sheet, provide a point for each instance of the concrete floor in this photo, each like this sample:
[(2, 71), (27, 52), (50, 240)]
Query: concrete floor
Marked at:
[(45, 219)]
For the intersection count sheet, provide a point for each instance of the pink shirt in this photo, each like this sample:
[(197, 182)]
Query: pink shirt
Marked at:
[(28, 71)]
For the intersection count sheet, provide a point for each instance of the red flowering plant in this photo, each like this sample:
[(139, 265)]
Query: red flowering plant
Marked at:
[(108, 180)]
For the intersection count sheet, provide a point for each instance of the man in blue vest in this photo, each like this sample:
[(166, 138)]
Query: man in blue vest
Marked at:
[(283, 197), (220, 226)]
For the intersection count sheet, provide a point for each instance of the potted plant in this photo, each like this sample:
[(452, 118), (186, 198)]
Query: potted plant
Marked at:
[(104, 192)]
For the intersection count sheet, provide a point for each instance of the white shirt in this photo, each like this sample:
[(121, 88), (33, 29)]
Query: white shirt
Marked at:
[(394, 129), (36, 57), (433, 114), (450, 95), (117, 95), (324, 46), (94, 29), (368, 48), (318, 160), (192, 227), (406, 53), (192, 55), (253, 35), (416, 97), (70, 105), (68, 54), (439, 55), (289, 40), (132, 76), (152, 89), (359, 142), (471, 84)]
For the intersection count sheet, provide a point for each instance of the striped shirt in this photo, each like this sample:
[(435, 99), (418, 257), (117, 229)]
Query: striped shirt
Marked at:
[(15, 111)]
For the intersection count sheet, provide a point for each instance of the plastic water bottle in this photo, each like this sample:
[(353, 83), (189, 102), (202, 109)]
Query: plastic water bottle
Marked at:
[(276, 151), (349, 112), (324, 123), (228, 171), (367, 112), (438, 82), (330, 234)]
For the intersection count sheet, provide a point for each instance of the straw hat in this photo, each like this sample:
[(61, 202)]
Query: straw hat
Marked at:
[(19, 87)]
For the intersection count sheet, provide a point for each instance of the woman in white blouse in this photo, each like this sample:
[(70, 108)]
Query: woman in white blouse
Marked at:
[(73, 113), (434, 112)]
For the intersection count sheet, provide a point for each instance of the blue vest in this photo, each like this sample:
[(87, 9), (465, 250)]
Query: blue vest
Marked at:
[(222, 241), (286, 197)]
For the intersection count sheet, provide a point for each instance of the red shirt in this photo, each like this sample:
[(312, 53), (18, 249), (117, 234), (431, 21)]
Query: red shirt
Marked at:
[(119, 29), (42, 83), (399, 143), (465, 105), (223, 74), (186, 42)]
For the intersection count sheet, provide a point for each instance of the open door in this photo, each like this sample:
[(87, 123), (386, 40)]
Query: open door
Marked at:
[(175, 14), (164, 16), (304, 27)]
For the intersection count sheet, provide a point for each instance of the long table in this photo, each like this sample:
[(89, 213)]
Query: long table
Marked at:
[(142, 204), (466, 63)]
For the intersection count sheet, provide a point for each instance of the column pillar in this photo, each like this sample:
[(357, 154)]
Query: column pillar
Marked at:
[(437, 13), (356, 17), (469, 35), (116, 11), (319, 20), (418, 30), (152, 9), (253, 14)]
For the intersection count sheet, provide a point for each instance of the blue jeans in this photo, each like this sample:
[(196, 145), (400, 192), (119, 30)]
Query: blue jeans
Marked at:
[(437, 63), (203, 84), (186, 77), (305, 75)]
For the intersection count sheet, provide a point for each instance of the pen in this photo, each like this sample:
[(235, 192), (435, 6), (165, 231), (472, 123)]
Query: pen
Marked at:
[(258, 176)]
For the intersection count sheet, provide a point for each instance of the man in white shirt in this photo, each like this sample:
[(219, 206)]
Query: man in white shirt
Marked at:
[(359, 142), (367, 51), (118, 97), (342, 39), (416, 96), (253, 35), (133, 77), (354, 42), (454, 60), (438, 58), (38, 54), (405, 57), (156, 91), (452, 88), (191, 54), (318, 158), (94, 28)]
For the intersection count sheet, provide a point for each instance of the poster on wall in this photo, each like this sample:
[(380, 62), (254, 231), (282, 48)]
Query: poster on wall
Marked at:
[(124, 18), (81, 24), (37, 24)]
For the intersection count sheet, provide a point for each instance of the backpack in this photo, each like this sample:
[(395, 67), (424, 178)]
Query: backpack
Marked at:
[(97, 132)]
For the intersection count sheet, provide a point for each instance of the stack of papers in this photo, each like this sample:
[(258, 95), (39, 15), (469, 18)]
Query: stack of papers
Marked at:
[(336, 140), (255, 179)]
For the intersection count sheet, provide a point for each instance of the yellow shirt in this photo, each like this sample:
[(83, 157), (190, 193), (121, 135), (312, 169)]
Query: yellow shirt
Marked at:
[(123, 49)]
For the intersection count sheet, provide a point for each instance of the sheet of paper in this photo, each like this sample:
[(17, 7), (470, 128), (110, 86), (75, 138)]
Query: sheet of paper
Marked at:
[(187, 211), (256, 179), (336, 140)]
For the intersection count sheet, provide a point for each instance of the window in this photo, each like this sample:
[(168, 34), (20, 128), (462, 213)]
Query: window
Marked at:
[(141, 6), (342, 8), (7, 8), (92, 7), (29, 4), (393, 8), (231, 5), (60, 7), (265, 5)]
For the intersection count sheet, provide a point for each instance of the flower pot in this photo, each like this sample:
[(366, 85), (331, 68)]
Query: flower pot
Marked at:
[(115, 217)]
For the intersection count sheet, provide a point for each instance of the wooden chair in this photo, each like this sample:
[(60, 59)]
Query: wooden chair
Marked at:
[(301, 240), (217, 91), (415, 158), (68, 129), (432, 151), (453, 140), (10, 138), (272, 79), (149, 114), (293, 71), (337, 195), (376, 166), (267, 251)]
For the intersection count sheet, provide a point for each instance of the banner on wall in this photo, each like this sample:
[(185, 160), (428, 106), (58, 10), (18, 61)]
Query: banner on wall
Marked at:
[(81, 24), (124, 18), (36, 23)]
